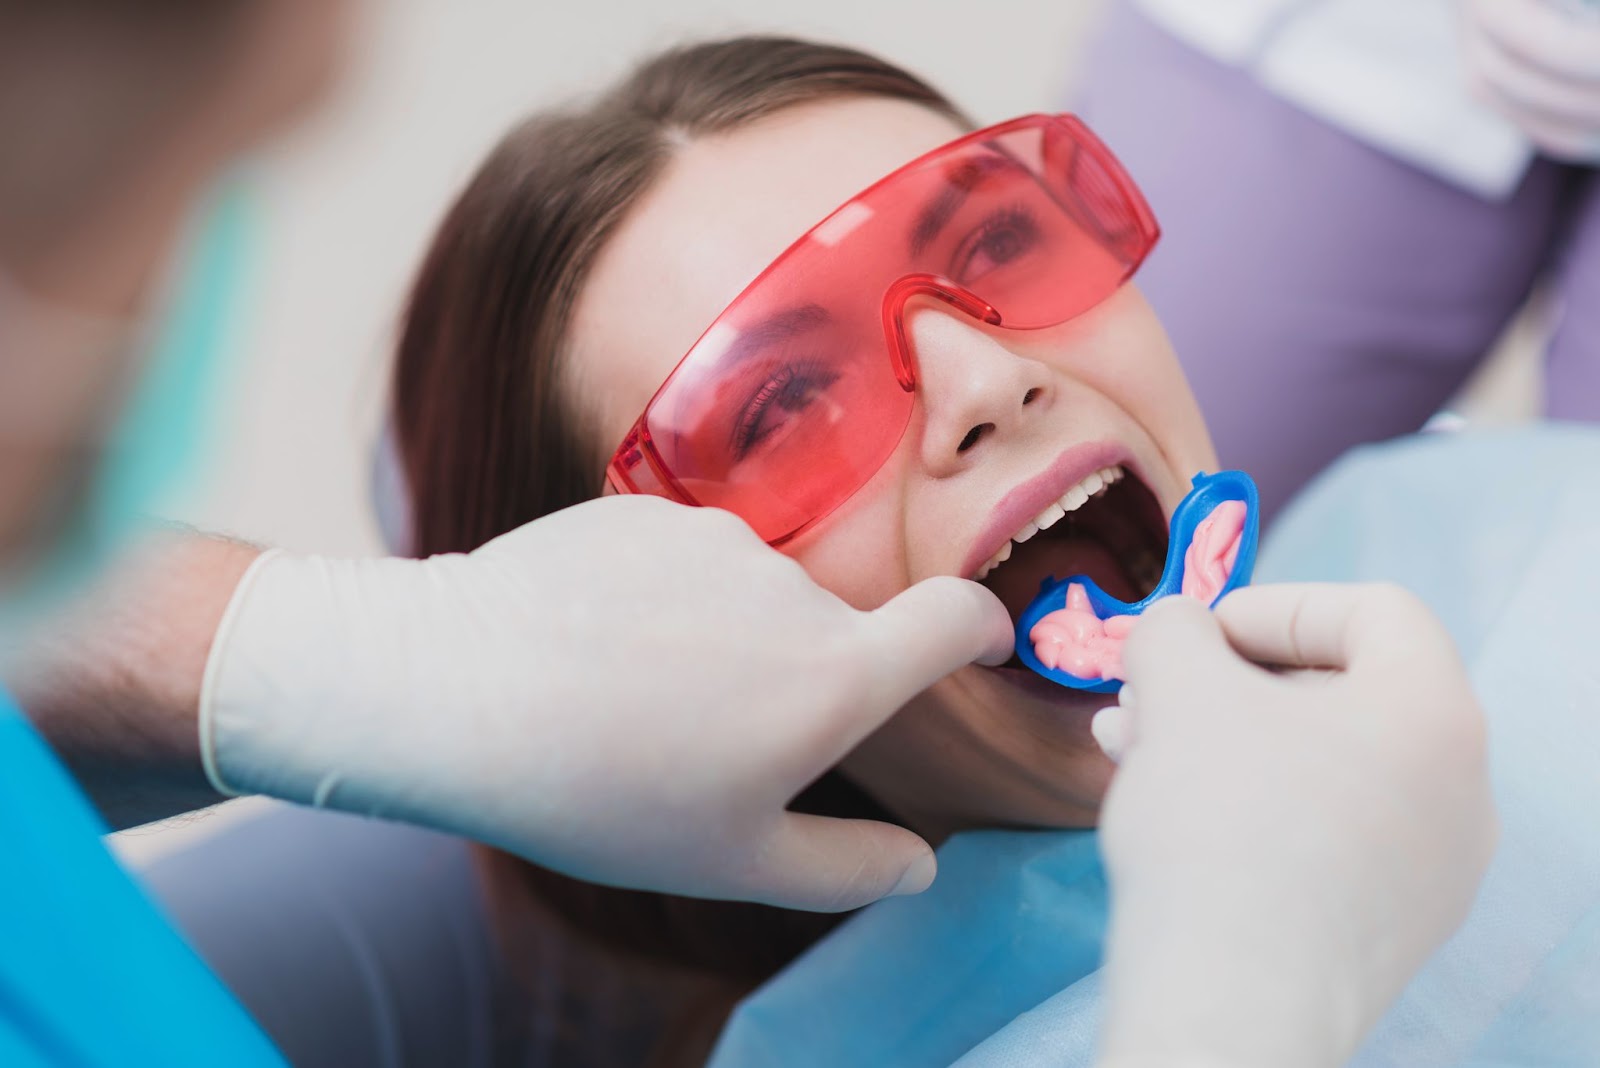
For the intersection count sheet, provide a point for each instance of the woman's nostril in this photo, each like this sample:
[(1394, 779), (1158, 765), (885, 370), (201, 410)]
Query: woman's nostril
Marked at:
[(974, 436), (1032, 395)]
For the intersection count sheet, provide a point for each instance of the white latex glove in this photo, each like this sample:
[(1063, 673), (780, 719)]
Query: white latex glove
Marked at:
[(629, 691), (1538, 62), (1285, 850)]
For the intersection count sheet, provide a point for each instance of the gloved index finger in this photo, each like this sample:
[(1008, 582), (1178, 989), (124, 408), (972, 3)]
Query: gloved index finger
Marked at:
[(1561, 39), (1315, 625)]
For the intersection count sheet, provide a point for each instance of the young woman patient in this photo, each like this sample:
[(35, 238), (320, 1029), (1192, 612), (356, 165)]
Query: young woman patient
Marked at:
[(950, 376)]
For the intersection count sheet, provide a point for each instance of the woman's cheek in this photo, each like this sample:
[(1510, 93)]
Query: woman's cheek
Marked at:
[(858, 553), (1153, 387), (1155, 392)]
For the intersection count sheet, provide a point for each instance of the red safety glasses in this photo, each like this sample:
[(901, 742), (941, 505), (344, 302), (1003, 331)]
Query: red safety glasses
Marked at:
[(801, 389)]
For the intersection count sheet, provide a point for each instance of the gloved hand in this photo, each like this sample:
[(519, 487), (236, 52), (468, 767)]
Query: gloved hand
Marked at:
[(1538, 62), (1285, 849), (629, 691)]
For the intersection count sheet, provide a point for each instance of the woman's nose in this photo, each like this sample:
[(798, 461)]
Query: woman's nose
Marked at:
[(975, 392)]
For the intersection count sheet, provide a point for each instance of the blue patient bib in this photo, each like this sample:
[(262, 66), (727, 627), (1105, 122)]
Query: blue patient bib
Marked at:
[(90, 973)]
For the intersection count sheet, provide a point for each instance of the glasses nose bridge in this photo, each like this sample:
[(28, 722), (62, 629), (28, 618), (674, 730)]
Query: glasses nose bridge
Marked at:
[(938, 288)]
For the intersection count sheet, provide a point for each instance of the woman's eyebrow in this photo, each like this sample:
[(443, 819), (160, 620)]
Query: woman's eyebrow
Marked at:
[(959, 184), (775, 329)]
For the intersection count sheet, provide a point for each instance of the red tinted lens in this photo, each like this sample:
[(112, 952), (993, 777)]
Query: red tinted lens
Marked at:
[(781, 413), (1055, 228), (790, 403)]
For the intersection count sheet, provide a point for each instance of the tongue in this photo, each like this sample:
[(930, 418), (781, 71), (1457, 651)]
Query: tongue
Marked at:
[(1016, 582)]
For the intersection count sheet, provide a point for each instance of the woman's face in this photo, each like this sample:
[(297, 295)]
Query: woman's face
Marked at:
[(1006, 422)]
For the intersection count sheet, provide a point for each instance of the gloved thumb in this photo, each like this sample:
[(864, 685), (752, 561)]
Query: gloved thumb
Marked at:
[(926, 632), (822, 864), (1176, 650)]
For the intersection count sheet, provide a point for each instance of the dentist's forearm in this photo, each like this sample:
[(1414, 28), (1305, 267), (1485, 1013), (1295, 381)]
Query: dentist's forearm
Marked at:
[(115, 689)]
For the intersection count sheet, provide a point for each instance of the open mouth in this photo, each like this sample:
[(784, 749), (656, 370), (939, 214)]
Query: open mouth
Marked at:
[(1110, 527)]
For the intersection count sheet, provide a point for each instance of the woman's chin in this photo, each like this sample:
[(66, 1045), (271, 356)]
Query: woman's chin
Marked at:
[(988, 748), (1075, 708), (1058, 772)]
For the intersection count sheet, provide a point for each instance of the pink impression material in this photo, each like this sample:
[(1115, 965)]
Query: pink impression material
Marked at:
[(1075, 640)]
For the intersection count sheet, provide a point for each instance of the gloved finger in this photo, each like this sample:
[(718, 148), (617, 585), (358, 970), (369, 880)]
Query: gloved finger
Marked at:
[(1176, 647), (1559, 140), (1114, 729), (922, 635), (1560, 115), (822, 864), (1321, 625), (1540, 35), (1510, 82)]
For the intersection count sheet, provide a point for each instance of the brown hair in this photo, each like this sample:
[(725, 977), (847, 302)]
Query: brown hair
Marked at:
[(487, 443)]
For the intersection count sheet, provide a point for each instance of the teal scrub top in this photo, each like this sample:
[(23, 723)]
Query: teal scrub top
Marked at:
[(91, 974)]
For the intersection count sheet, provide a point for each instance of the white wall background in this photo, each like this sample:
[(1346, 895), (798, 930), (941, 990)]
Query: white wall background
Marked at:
[(348, 202)]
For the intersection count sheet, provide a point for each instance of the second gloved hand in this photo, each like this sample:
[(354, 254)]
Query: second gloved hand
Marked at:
[(1285, 849), (629, 691), (1538, 62)]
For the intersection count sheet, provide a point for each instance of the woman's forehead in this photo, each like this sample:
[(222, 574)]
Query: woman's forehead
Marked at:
[(725, 208)]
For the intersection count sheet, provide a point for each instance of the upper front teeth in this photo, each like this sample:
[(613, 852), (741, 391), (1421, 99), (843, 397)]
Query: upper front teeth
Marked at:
[(1092, 485)]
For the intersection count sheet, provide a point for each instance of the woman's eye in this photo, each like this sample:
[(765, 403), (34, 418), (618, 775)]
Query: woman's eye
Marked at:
[(1005, 236), (779, 401)]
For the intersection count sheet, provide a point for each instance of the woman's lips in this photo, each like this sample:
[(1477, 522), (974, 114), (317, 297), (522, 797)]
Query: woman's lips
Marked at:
[(1022, 503)]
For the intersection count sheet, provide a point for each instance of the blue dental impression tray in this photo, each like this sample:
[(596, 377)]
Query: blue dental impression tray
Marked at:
[(1209, 491)]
